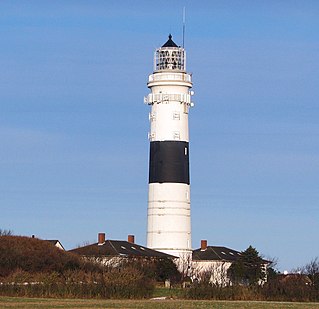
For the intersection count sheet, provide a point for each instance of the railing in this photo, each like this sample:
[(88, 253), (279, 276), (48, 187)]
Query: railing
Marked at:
[(165, 98), (170, 76)]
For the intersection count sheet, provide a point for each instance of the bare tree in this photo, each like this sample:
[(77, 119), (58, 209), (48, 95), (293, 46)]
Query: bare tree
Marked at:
[(6, 232), (84, 243), (270, 268), (188, 269), (312, 270), (204, 274), (300, 270), (214, 273), (185, 266), (224, 279)]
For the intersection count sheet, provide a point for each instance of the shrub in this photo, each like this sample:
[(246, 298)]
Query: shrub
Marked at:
[(33, 255), (208, 291), (157, 270), (35, 268)]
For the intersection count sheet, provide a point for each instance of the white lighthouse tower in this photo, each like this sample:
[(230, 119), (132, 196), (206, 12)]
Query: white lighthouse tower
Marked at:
[(169, 216)]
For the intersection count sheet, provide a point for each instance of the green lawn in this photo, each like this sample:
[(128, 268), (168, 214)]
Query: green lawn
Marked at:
[(45, 303)]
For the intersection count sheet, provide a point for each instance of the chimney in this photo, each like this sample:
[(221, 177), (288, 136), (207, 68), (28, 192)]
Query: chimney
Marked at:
[(131, 239), (101, 239), (203, 245)]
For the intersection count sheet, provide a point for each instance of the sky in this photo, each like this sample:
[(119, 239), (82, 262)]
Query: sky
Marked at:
[(73, 125)]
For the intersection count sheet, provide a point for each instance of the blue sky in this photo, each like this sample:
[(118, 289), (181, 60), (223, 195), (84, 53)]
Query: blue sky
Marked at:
[(73, 126)]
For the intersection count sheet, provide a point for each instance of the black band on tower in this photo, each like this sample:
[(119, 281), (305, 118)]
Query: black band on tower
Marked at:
[(169, 162)]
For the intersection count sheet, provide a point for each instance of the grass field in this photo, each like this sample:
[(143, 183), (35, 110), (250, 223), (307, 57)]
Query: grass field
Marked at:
[(45, 303)]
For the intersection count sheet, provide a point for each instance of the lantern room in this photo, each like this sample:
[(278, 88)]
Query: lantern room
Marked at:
[(170, 57)]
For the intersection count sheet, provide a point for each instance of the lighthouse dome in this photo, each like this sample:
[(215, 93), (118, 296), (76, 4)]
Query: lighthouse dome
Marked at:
[(170, 42)]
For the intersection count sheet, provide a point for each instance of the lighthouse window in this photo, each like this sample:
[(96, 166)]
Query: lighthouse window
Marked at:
[(176, 136), (176, 116), (185, 151), (152, 117), (151, 136)]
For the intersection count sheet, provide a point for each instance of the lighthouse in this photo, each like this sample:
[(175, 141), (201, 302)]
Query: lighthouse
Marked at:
[(169, 213)]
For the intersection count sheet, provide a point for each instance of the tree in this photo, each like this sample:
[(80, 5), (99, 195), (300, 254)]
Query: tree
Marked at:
[(5, 232), (272, 271), (312, 270), (186, 267), (249, 269), (166, 269), (155, 269)]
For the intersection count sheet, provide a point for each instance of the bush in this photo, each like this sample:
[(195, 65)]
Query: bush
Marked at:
[(157, 270), (35, 268), (290, 288), (207, 291), (115, 283), (294, 289), (33, 255)]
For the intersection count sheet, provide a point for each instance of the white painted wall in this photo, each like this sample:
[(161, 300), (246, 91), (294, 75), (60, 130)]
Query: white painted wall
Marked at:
[(170, 100), (169, 218)]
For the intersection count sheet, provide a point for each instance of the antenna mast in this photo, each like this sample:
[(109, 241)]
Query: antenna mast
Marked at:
[(183, 26)]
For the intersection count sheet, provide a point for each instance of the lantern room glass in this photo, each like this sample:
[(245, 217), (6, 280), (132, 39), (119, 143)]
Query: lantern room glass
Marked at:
[(170, 58)]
